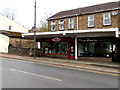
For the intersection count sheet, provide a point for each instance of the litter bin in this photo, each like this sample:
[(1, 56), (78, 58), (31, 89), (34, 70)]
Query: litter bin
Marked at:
[(116, 56)]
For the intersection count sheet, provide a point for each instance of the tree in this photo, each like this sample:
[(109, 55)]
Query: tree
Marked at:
[(43, 26), (10, 13)]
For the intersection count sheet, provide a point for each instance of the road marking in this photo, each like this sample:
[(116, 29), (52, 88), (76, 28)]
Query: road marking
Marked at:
[(106, 73), (38, 75)]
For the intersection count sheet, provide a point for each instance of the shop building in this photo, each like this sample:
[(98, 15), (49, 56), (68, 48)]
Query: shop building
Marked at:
[(82, 33)]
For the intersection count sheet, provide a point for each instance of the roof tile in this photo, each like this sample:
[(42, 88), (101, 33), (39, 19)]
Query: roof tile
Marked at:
[(89, 9)]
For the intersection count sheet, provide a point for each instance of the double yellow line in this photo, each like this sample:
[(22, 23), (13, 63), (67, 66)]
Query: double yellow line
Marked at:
[(68, 67)]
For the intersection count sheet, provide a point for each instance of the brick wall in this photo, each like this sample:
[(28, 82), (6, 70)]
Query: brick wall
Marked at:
[(55, 56), (23, 51), (23, 43), (22, 47), (119, 19), (98, 17), (83, 22), (98, 59)]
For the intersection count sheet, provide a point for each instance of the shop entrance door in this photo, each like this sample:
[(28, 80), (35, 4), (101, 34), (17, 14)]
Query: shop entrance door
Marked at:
[(71, 53)]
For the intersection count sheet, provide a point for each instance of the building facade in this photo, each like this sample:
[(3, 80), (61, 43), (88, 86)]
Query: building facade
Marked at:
[(7, 24), (13, 42), (83, 33)]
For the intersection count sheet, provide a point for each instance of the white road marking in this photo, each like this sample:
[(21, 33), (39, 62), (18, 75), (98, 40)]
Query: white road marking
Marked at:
[(35, 74), (106, 73)]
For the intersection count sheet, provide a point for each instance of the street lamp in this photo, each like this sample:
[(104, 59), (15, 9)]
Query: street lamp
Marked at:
[(35, 31)]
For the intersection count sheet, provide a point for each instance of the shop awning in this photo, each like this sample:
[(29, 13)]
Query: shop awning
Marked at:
[(110, 32)]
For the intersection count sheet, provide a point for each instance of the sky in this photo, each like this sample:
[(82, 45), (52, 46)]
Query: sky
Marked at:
[(24, 9)]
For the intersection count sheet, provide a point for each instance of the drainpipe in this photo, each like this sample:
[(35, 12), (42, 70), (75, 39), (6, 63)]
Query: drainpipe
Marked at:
[(77, 20)]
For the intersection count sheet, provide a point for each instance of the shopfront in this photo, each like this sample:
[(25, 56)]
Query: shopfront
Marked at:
[(86, 47), (80, 44), (97, 47), (58, 47)]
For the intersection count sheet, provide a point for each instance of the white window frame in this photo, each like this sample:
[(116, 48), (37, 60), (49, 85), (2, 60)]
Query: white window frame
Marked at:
[(53, 25), (71, 23), (106, 18), (91, 20), (61, 24)]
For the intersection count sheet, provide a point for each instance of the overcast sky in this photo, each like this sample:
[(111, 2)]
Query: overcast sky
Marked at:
[(25, 8)]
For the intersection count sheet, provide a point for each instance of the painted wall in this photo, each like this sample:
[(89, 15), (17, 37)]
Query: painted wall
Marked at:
[(4, 43), (15, 27)]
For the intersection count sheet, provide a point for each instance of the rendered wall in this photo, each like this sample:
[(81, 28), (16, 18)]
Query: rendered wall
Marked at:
[(4, 43), (15, 27)]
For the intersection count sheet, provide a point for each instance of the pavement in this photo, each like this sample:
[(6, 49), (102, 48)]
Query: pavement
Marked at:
[(106, 67)]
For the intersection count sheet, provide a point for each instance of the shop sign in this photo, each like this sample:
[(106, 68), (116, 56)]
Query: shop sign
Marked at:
[(56, 39)]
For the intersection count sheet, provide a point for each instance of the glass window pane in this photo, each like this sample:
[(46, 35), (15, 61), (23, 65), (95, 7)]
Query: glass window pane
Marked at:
[(106, 15), (107, 21), (91, 23), (55, 47), (101, 49)]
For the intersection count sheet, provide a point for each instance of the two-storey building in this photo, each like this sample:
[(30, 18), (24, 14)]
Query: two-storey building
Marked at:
[(11, 37), (83, 33)]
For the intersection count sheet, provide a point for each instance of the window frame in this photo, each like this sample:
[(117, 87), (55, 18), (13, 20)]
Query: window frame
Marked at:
[(61, 24), (104, 18), (90, 20), (71, 23), (53, 24)]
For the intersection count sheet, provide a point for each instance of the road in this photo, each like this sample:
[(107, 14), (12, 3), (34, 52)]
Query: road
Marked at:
[(22, 74)]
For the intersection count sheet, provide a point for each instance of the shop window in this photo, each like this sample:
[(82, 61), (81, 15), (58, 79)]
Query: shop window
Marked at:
[(97, 45), (91, 21), (61, 24), (97, 49), (53, 26), (54, 47), (71, 23), (106, 19)]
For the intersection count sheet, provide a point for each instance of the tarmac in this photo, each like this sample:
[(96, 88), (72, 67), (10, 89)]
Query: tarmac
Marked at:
[(105, 67)]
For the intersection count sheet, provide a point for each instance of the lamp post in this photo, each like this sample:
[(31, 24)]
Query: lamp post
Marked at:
[(35, 31)]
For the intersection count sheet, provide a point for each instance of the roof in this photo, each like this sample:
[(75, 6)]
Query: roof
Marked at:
[(11, 33), (86, 10)]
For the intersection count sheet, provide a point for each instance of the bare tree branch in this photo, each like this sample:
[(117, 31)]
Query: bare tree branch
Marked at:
[(10, 13)]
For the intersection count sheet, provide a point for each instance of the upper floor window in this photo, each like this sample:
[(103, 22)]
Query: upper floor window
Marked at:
[(10, 27), (106, 19), (61, 24), (53, 25), (91, 21), (71, 23)]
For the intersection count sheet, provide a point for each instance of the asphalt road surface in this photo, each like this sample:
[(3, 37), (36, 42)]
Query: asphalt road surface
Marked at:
[(21, 74)]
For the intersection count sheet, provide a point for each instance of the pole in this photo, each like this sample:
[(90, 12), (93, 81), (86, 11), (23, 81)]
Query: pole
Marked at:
[(76, 48), (35, 31)]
